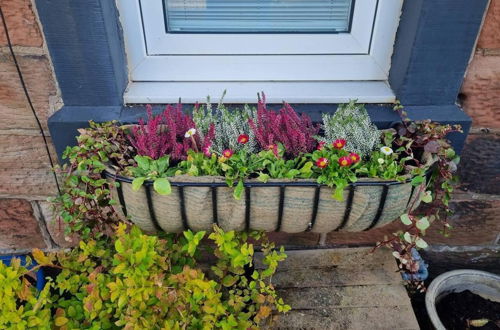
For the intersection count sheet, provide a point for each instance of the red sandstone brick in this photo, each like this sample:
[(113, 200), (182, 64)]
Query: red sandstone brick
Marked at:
[(18, 226), (21, 22), (14, 106), (490, 36), (24, 167), (56, 226), (481, 89)]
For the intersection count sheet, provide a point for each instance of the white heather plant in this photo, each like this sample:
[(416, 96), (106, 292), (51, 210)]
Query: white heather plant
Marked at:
[(229, 125), (352, 123)]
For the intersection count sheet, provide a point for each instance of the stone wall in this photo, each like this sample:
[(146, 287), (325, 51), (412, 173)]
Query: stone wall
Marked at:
[(26, 180), (25, 173)]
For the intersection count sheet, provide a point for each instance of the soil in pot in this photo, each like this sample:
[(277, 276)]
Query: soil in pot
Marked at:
[(457, 309)]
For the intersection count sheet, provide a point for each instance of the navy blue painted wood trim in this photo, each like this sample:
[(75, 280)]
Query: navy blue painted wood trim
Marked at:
[(63, 124), (85, 43), (434, 43)]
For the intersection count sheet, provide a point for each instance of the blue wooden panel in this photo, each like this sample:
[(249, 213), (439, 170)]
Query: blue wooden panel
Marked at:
[(86, 48), (434, 43)]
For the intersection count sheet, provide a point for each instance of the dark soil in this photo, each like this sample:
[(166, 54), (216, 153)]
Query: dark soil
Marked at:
[(457, 309)]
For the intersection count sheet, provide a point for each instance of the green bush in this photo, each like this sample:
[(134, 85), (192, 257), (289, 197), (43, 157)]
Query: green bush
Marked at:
[(21, 307), (137, 281)]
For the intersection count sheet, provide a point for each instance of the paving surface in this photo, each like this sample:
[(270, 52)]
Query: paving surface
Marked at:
[(345, 288)]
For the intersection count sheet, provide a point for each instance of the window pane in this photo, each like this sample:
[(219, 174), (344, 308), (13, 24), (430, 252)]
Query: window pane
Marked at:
[(254, 16)]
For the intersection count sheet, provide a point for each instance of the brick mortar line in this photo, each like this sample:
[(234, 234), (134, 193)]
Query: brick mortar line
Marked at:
[(462, 248), (487, 51), (23, 51), (484, 131), (463, 196), (42, 224), (23, 132), (28, 251)]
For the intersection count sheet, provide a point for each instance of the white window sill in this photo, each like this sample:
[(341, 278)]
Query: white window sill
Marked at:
[(246, 92)]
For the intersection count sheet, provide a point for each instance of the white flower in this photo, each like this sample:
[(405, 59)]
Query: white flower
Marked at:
[(190, 132), (380, 161), (386, 151)]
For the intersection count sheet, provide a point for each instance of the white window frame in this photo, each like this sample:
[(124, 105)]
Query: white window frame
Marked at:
[(314, 68), (160, 43)]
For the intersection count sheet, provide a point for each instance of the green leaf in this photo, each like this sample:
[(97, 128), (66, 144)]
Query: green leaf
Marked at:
[(162, 164), (417, 180), (229, 280), (119, 246), (407, 237), (263, 177), (405, 218), (338, 193), (238, 190), (162, 186), (60, 321), (142, 162), (306, 168), (421, 243), (427, 197), (423, 223), (137, 183), (450, 153), (188, 234)]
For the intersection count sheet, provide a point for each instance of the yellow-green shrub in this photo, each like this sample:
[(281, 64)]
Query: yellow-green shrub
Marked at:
[(137, 281), (21, 306)]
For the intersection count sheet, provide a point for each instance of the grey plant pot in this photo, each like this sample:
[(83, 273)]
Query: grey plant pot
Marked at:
[(484, 284)]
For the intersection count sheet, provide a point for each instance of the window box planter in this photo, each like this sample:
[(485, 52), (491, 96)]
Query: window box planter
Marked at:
[(289, 206)]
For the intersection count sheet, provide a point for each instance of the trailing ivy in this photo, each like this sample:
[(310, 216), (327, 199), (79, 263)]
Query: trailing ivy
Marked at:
[(416, 141), (86, 203)]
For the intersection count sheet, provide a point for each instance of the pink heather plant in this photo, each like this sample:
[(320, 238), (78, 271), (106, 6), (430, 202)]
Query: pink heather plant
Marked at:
[(295, 132), (178, 123), (165, 134), (149, 139)]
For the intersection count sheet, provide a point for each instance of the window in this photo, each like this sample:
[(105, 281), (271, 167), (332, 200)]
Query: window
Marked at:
[(254, 16), (304, 51)]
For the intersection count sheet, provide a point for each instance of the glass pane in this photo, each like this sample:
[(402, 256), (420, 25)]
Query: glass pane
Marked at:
[(258, 16)]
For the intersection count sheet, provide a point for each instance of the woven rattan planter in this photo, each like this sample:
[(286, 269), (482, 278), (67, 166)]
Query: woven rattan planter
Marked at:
[(290, 206)]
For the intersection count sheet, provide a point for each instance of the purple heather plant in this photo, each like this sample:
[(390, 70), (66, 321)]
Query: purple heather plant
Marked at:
[(296, 133), (149, 139), (164, 134)]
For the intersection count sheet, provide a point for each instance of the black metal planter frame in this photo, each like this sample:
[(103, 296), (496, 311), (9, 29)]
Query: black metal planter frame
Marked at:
[(248, 185)]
